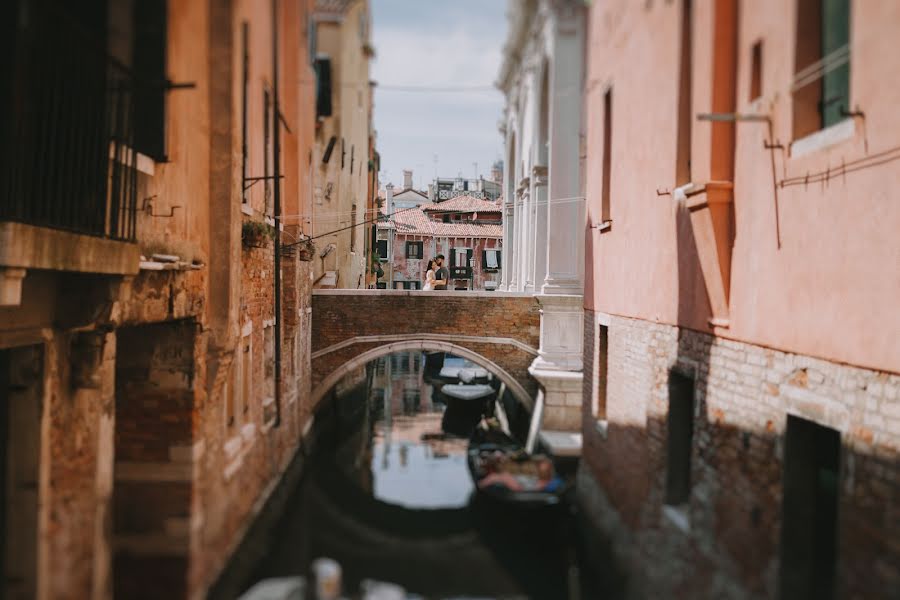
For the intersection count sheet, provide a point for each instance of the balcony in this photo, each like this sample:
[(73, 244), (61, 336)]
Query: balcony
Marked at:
[(68, 177)]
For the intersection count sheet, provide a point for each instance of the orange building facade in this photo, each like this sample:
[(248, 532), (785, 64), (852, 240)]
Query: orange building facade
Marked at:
[(741, 418)]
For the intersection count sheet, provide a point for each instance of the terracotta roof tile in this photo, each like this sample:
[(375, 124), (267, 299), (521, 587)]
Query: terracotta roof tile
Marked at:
[(333, 6), (414, 221), (463, 204)]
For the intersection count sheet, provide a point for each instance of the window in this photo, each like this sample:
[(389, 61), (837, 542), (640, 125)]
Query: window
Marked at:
[(245, 76), (381, 246), (414, 249), (756, 71), (607, 156), (353, 228), (810, 509), (461, 257), (685, 98), (490, 260), (822, 65), (680, 433), (150, 40), (323, 88), (352, 157), (269, 358), (267, 147), (602, 371), (246, 373), (230, 393)]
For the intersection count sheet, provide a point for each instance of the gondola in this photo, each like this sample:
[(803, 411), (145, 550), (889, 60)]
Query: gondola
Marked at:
[(489, 441)]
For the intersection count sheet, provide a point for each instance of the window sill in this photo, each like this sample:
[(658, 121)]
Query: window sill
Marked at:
[(601, 426), (604, 226), (823, 138), (677, 514)]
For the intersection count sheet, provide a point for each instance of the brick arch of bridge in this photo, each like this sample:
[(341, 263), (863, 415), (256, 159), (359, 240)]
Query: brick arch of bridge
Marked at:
[(498, 331)]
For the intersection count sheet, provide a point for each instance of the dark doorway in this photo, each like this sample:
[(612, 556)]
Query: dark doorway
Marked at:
[(153, 473), (680, 438), (21, 392), (809, 526)]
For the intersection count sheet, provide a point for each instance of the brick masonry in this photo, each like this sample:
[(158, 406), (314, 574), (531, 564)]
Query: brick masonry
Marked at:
[(743, 394), (340, 317)]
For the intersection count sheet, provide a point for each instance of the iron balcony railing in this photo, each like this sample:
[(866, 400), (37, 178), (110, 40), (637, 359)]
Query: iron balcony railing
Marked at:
[(65, 146)]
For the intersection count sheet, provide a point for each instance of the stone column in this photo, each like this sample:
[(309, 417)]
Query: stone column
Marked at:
[(565, 251), (525, 239), (508, 252), (516, 259), (539, 242), (559, 362)]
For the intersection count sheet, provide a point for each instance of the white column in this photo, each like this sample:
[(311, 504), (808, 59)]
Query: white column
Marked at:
[(565, 250), (508, 252), (514, 283), (558, 365), (539, 195), (526, 240)]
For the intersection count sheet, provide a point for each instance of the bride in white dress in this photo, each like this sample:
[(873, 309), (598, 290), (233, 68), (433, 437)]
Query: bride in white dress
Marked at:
[(429, 277)]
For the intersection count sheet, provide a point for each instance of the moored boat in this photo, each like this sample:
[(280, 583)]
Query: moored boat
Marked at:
[(462, 391), (507, 477)]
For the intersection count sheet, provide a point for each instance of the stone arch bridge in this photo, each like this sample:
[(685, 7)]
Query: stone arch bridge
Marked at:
[(499, 331)]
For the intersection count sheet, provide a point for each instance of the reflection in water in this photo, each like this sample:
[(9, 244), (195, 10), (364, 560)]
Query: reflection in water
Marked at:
[(386, 492), (415, 463)]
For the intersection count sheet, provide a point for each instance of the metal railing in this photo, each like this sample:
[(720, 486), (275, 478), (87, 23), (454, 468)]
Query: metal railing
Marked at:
[(65, 149)]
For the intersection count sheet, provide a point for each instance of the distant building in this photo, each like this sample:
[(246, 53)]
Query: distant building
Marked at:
[(344, 155), (445, 188), (467, 231)]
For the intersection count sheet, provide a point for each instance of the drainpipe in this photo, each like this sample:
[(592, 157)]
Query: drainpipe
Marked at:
[(276, 156)]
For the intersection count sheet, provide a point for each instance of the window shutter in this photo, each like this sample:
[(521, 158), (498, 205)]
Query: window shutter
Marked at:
[(452, 257), (421, 249), (483, 260), (150, 70), (499, 259), (469, 257)]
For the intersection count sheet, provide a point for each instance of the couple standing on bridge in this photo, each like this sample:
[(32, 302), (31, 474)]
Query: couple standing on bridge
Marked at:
[(436, 275)]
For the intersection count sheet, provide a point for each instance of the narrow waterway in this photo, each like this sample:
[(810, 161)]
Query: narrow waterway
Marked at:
[(387, 493)]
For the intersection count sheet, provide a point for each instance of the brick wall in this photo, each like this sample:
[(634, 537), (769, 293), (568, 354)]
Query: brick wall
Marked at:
[(743, 394)]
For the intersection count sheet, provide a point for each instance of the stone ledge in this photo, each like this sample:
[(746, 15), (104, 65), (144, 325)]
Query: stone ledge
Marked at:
[(32, 247), (562, 443)]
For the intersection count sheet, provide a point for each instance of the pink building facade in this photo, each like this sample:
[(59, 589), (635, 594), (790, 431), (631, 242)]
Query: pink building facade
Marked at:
[(741, 418)]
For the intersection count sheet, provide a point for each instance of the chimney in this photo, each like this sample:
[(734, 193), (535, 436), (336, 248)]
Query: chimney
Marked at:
[(431, 192), (407, 180), (497, 172), (389, 199)]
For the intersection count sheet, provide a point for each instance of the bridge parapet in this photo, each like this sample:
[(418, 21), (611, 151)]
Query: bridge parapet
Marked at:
[(499, 330)]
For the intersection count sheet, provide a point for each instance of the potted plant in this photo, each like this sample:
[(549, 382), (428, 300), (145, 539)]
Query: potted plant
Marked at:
[(376, 265), (306, 249)]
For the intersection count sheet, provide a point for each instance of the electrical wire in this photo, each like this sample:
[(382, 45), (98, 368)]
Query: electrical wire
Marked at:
[(317, 214), (387, 216)]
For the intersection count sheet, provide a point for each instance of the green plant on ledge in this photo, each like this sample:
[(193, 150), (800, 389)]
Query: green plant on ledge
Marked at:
[(375, 266), (254, 234)]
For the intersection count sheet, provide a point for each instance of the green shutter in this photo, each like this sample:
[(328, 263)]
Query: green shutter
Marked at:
[(835, 83)]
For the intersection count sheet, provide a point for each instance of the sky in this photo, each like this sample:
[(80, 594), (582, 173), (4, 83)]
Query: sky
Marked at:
[(444, 44)]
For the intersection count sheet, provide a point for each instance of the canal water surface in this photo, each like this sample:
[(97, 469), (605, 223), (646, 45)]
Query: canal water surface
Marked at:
[(386, 492)]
